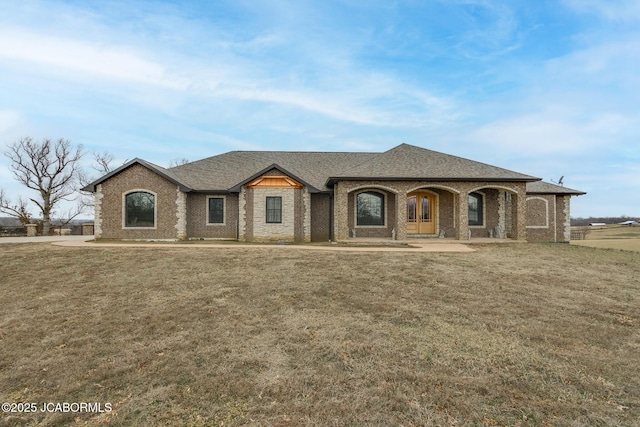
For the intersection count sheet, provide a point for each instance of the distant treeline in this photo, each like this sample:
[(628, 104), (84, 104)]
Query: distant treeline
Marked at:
[(577, 222)]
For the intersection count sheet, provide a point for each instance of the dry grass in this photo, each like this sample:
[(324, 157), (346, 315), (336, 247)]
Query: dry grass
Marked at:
[(510, 335), (622, 237)]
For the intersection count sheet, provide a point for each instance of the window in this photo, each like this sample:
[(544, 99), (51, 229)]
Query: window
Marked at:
[(216, 210), (140, 209), (370, 208), (411, 209), (475, 209), (274, 210)]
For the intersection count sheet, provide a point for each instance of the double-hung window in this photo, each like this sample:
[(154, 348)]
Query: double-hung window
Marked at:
[(274, 210), (215, 210)]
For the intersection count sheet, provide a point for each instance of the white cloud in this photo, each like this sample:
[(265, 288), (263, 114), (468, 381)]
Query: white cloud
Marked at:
[(83, 57), (612, 10), (553, 132)]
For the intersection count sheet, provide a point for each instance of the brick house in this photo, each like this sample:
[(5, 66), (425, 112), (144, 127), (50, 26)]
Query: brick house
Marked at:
[(258, 196)]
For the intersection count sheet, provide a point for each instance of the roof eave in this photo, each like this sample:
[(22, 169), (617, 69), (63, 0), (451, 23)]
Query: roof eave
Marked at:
[(332, 180), (565, 193)]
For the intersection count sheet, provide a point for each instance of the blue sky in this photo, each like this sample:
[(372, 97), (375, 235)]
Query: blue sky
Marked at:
[(546, 88)]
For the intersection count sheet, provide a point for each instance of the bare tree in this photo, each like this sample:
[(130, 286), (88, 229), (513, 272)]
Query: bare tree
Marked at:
[(178, 162), (17, 210), (101, 164), (49, 168)]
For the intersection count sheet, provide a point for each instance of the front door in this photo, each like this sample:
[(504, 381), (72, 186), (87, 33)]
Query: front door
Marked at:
[(421, 213)]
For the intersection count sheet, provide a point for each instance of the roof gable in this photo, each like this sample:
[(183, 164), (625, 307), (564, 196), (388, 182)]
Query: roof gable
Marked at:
[(152, 167), (412, 163), (261, 173)]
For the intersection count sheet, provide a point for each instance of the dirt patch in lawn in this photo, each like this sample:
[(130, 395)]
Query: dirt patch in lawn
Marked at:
[(528, 334)]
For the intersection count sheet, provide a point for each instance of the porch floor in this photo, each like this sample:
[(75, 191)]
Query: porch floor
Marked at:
[(428, 240)]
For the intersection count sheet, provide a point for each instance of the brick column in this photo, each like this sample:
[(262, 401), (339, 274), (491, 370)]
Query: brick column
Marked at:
[(462, 215), (520, 214), (401, 215), (340, 212), (306, 202)]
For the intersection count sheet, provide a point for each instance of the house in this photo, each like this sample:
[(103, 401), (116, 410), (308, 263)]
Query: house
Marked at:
[(255, 196)]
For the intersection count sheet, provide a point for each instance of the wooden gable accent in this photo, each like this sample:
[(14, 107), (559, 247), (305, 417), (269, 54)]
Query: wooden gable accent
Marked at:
[(274, 181)]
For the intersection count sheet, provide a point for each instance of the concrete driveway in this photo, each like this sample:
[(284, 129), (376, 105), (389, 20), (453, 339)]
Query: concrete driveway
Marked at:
[(40, 239)]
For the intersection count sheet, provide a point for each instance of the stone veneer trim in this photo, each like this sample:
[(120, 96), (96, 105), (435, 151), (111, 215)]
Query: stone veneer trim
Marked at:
[(97, 209), (181, 214)]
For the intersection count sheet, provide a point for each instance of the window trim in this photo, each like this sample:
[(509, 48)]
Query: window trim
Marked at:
[(384, 208), (483, 213), (266, 210), (224, 210), (124, 209)]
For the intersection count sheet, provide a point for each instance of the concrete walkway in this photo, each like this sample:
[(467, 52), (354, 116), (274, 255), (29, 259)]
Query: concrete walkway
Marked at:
[(86, 242)]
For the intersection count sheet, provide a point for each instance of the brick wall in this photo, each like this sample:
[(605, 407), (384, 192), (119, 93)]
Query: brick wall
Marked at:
[(137, 177), (321, 217), (197, 218), (548, 218), (373, 231)]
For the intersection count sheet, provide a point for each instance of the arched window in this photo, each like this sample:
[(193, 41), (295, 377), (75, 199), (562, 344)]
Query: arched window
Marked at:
[(370, 208), (475, 209), (140, 209)]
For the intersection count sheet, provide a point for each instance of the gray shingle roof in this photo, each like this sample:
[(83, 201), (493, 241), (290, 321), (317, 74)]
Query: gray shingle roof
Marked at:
[(320, 170), (410, 162), (541, 187), (225, 171)]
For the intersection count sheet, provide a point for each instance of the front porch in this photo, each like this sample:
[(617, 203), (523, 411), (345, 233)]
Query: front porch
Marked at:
[(440, 211)]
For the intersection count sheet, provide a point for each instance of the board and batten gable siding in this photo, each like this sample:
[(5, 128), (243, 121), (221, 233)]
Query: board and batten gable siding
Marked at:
[(138, 178)]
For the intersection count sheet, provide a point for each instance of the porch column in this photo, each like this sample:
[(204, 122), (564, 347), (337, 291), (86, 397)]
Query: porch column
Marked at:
[(462, 215), (519, 229), (181, 214), (401, 215), (340, 212), (502, 216)]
